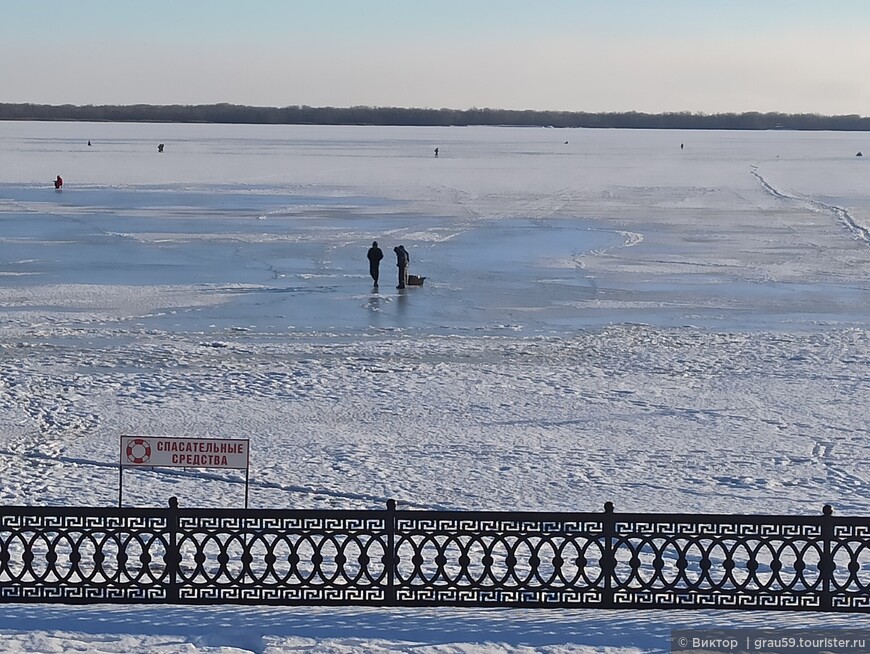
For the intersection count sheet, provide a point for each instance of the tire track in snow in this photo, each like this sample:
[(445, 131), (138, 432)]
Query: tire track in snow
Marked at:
[(840, 213)]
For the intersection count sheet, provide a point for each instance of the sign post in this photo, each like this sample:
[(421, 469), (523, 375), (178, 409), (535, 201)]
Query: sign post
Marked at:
[(171, 452)]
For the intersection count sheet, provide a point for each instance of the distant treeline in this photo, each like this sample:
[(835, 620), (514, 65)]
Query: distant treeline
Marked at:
[(304, 115)]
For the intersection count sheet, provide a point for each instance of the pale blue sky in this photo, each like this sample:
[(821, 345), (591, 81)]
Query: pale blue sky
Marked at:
[(574, 55)]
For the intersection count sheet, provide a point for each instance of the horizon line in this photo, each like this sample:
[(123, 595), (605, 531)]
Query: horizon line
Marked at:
[(670, 112)]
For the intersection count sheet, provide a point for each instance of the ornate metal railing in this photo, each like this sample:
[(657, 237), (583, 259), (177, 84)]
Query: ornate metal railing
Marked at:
[(426, 558)]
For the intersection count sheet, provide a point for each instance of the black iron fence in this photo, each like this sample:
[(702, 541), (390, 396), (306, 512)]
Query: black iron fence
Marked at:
[(434, 558)]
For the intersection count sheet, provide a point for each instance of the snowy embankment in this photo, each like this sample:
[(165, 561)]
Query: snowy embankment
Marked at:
[(609, 319), (649, 419)]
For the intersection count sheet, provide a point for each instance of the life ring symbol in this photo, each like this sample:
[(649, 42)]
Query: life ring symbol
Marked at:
[(138, 450)]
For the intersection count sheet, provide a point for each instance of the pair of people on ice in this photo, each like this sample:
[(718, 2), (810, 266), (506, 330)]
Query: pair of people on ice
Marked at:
[(375, 254)]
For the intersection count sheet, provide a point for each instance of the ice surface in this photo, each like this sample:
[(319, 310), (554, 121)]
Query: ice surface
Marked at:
[(607, 319)]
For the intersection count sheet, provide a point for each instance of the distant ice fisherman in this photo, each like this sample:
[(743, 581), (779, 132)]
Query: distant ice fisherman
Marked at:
[(58, 183)]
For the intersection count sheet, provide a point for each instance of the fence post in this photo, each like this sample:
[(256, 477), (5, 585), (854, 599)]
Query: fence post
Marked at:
[(826, 565), (608, 560), (173, 555), (391, 557)]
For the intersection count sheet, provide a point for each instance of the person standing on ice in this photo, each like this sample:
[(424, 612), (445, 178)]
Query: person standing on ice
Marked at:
[(58, 183), (403, 259), (375, 255)]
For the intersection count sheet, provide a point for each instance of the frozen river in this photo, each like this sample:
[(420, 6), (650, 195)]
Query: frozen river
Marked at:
[(528, 230)]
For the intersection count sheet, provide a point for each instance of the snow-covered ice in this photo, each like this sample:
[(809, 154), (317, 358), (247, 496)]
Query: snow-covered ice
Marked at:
[(606, 317)]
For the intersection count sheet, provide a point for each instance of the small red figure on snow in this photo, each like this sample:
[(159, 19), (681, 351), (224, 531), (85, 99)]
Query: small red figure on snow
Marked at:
[(58, 183)]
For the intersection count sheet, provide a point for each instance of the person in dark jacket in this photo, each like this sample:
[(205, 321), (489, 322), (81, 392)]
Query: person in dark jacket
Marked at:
[(402, 261), (375, 255), (58, 183)]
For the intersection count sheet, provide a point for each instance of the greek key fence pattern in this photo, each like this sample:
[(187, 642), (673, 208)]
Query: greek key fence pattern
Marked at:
[(434, 558)]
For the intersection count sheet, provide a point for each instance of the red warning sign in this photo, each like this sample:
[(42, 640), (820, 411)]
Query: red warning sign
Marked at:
[(167, 451)]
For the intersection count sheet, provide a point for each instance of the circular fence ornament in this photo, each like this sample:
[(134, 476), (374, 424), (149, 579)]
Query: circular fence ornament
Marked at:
[(138, 450)]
